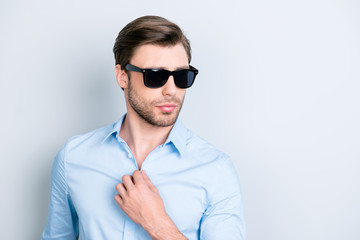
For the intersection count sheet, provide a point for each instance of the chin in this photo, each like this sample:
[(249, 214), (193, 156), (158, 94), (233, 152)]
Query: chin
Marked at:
[(166, 121)]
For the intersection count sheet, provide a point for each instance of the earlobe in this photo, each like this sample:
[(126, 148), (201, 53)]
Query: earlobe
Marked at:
[(121, 76)]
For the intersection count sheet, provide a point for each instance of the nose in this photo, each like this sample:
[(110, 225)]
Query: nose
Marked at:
[(169, 88)]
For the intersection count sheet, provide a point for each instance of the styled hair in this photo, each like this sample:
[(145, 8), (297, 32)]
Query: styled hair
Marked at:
[(147, 30)]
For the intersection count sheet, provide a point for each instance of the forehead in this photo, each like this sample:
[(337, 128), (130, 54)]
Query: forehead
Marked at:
[(155, 56)]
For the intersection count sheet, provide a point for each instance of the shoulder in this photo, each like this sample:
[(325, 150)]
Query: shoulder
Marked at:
[(198, 146), (80, 146), (89, 139), (86, 139)]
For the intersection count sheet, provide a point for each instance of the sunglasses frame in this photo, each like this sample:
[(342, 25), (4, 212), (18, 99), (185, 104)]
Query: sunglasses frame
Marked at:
[(133, 68)]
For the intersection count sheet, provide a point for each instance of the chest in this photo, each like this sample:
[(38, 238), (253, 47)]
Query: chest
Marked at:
[(92, 190)]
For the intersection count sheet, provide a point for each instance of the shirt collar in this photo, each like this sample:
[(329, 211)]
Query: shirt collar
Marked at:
[(177, 134), (115, 128)]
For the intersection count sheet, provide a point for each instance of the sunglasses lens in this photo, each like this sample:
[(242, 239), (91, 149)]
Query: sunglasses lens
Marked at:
[(155, 79), (184, 78)]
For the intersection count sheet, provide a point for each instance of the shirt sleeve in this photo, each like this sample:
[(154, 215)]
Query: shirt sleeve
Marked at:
[(62, 221), (223, 218)]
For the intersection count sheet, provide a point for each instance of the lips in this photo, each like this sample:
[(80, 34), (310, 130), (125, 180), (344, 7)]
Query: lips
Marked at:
[(169, 107)]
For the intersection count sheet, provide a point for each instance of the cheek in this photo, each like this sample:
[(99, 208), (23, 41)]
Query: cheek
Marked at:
[(142, 92), (182, 94), (150, 95)]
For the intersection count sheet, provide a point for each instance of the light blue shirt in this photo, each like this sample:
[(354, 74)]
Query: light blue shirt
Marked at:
[(197, 182)]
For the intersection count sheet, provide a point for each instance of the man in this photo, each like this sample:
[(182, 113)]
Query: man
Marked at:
[(146, 176)]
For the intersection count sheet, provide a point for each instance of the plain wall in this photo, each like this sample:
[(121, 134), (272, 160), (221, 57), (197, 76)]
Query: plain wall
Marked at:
[(278, 90)]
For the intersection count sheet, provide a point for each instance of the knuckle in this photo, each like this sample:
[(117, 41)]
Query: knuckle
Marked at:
[(124, 200), (131, 193), (141, 187)]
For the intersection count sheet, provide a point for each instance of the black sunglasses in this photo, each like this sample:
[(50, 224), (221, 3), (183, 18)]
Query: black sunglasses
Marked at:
[(156, 78)]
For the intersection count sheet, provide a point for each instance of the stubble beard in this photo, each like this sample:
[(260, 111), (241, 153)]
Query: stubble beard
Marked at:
[(144, 109)]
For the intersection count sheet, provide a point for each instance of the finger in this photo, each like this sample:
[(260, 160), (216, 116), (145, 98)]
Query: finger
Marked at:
[(119, 200), (148, 181), (120, 188), (128, 182), (138, 178)]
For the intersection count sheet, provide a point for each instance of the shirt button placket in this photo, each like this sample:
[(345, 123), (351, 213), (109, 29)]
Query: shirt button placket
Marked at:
[(127, 149), (129, 230)]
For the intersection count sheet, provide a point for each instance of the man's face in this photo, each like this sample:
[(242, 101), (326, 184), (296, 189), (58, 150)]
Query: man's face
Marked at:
[(161, 106)]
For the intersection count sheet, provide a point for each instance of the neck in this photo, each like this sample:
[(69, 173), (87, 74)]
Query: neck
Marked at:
[(142, 137)]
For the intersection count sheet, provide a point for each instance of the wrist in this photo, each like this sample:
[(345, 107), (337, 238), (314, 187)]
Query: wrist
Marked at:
[(165, 229)]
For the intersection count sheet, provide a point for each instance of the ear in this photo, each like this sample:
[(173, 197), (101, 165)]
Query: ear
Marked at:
[(121, 76)]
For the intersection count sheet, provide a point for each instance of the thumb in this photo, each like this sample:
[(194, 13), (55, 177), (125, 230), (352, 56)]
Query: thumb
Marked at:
[(148, 182)]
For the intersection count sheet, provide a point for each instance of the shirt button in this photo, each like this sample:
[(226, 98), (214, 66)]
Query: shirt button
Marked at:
[(129, 155)]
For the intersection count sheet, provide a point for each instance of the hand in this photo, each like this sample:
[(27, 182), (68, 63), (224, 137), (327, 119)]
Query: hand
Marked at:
[(141, 201)]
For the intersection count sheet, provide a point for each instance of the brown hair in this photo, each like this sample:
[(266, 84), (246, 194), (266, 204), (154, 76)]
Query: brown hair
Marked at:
[(147, 30)]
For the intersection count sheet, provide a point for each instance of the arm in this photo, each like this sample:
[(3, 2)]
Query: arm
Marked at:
[(141, 201), (223, 219), (62, 219)]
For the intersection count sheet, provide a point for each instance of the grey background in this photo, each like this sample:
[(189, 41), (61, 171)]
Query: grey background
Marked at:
[(278, 90)]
